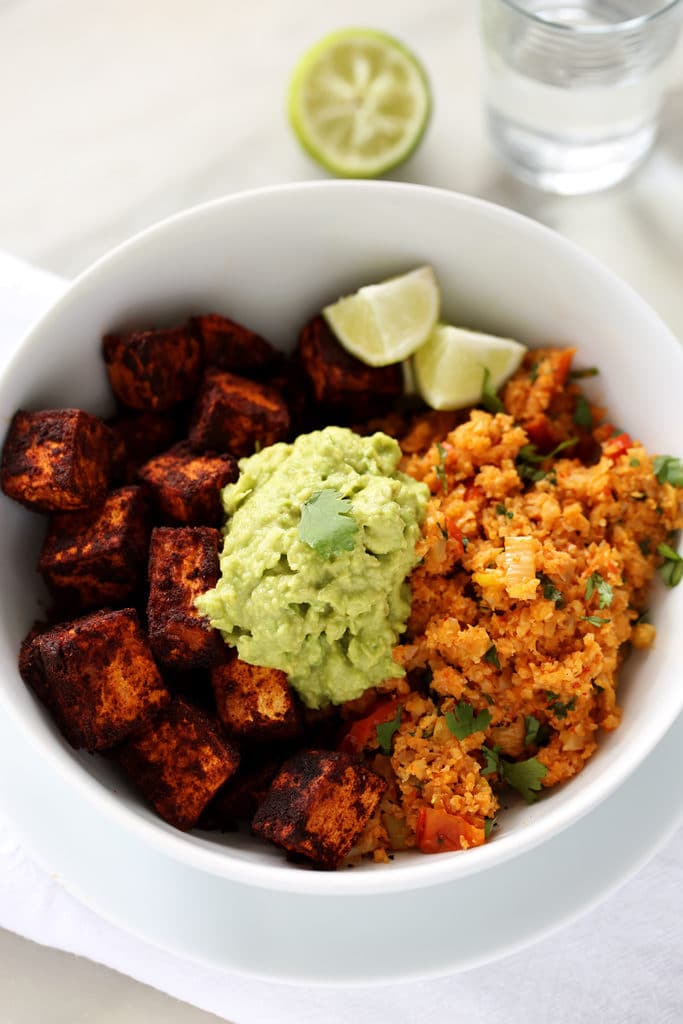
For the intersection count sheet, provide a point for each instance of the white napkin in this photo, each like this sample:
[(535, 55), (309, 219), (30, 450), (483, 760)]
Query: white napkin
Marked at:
[(621, 964)]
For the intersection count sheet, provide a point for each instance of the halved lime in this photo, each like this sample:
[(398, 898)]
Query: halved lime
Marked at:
[(451, 366), (384, 323), (359, 102)]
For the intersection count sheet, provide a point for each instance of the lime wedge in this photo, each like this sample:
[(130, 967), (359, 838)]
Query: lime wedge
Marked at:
[(450, 367), (359, 102), (384, 323)]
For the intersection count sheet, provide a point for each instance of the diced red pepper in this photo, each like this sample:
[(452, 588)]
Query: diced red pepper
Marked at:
[(440, 832), (473, 493), (455, 536), (617, 446), (362, 734)]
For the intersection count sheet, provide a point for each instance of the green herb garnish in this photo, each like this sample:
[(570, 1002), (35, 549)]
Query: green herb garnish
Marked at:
[(550, 591), (492, 656), (524, 776), (672, 569), (594, 620), (537, 733), (668, 469), (327, 524), (502, 511), (529, 458), (489, 825), (645, 546), (590, 371), (462, 721), (386, 730), (441, 468), (583, 416), (489, 399), (596, 584), (558, 708)]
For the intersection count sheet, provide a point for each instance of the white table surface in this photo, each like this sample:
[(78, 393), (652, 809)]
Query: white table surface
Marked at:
[(116, 114)]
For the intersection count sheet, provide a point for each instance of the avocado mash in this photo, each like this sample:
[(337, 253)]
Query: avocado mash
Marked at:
[(321, 594)]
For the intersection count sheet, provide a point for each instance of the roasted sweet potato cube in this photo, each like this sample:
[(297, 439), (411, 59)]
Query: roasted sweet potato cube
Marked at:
[(97, 557), (30, 665), (185, 486), (318, 805), (235, 414), (341, 380), (230, 346), (153, 369), (238, 799), (179, 763), (254, 703), (139, 436), (183, 563), (56, 459), (100, 678)]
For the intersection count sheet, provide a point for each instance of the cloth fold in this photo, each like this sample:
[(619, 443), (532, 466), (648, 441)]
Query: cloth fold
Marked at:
[(620, 964)]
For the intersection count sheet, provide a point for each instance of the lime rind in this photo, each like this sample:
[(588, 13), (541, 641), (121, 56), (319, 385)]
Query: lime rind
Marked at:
[(352, 88)]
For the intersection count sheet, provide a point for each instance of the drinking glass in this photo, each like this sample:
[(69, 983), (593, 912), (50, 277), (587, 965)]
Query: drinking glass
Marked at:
[(574, 87)]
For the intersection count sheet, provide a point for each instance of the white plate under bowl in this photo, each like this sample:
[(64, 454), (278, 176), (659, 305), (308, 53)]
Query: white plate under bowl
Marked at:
[(305, 939), (272, 259)]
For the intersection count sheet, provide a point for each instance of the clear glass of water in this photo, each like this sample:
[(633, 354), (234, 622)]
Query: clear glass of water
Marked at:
[(574, 87)]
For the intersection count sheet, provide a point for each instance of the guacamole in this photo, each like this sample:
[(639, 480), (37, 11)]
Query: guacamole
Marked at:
[(326, 609)]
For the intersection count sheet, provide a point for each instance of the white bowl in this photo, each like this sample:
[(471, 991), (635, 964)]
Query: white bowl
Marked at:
[(272, 259)]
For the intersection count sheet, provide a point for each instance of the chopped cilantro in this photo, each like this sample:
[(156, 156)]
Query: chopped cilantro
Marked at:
[(537, 733), (590, 371), (327, 524), (386, 730), (596, 584), (533, 372), (550, 591), (668, 469), (633, 461), (583, 416), (524, 776), (443, 531), (502, 511), (441, 467), (558, 708), (488, 698), (462, 721), (489, 399), (645, 546), (492, 656), (594, 620), (672, 569), (489, 825), (529, 458)]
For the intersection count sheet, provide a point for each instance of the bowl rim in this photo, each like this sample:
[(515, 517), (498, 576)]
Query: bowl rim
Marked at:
[(218, 859)]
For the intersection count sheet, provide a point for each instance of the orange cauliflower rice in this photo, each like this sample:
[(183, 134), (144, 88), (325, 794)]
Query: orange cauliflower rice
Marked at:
[(538, 549)]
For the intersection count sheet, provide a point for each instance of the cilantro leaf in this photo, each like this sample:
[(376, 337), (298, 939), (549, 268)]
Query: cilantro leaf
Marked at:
[(327, 524), (531, 725), (672, 569), (386, 730), (489, 825), (633, 461), (645, 546), (441, 468), (590, 371), (556, 705), (462, 721), (492, 656), (502, 511), (594, 620), (489, 399), (596, 584), (668, 469), (524, 776), (529, 458), (550, 591), (583, 416)]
